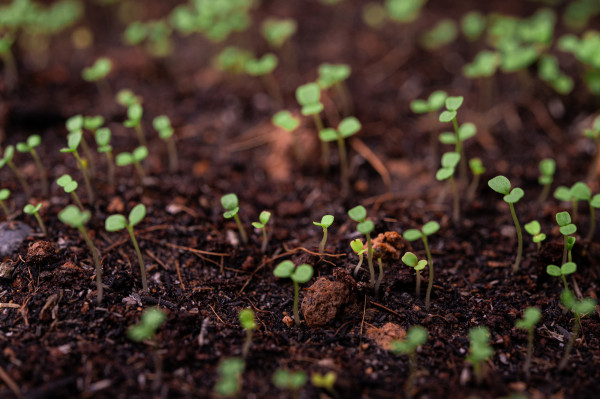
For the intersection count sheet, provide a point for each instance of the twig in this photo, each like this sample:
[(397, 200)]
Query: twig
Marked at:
[(371, 158), (10, 305), (10, 383), (388, 309)]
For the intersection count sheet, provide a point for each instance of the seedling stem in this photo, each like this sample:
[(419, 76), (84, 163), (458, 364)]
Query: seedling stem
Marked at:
[(519, 238), (324, 145), (460, 149)]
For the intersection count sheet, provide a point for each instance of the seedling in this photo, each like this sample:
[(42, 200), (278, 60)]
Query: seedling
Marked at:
[(359, 215), (134, 120), (73, 141), (126, 98), (434, 103), (594, 134), (501, 185), (9, 153), (162, 124), (449, 115), (484, 65), (404, 11), (530, 318), (4, 194), (358, 247), (102, 137), (440, 35), (579, 309), (411, 260), (74, 124), (325, 381), (477, 170), (292, 381), (34, 210), (262, 225), (563, 219), (299, 275), (97, 73), (472, 25), (464, 132), (230, 375), (479, 350), (74, 217), (118, 222), (415, 337), (594, 204), (326, 222), (348, 127), (135, 158), (309, 97), (286, 121), (150, 321), (278, 31), (29, 146), (232, 59), (263, 67), (70, 185), (248, 322), (547, 170), (446, 172), (581, 192), (231, 204), (334, 76), (428, 229), (535, 230), (564, 270)]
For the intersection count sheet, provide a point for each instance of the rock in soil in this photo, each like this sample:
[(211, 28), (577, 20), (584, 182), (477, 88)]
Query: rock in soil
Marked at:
[(41, 252), (6, 269), (390, 246), (325, 300), (12, 235), (385, 335)]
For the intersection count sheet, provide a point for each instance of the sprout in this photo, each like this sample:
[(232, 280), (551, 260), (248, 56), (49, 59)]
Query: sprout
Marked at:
[(501, 185), (472, 25), (299, 275), (248, 322), (77, 123), (262, 225), (415, 337), (278, 31), (440, 35), (531, 317), (150, 321), (119, 222), (326, 381), (75, 218), (484, 65), (581, 192), (446, 172), (9, 153), (325, 223), (99, 70), (547, 170), (126, 98), (549, 72), (4, 194), (348, 127), (232, 60), (594, 134), (566, 228), (162, 124), (594, 204), (358, 247), (565, 269), (29, 146), (359, 215), (73, 141), (411, 260), (479, 350), (135, 158), (102, 137), (284, 379), (466, 131), (34, 210), (535, 230), (404, 11), (134, 120), (477, 170), (231, 205), (579, 309), (93, 123), (428, 229), (309, 97), (334, 76), (263, 67), (230, 373), (434, 103), (70, 185), (286, 121)]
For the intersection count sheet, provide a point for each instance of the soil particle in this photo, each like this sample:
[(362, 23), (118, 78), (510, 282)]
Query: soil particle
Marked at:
[(12, 235), (6, 270), (385, 335), (41, 252), (325, 300), (390, 246)]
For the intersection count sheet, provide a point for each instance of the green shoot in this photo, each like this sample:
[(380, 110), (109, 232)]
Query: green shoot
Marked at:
[(415, 337), (479, 350), (326, 222), (334, 76), (299, 275), (477, 169), (472, 25), (77, 123), (134, 120), (248, 322), (126, 98), (594, 204), (75, 218), (4, 194), (449, 115), (262, 225), (411, 260), (70, 185), (29, 146), (594, 134), (231, 205), (564, 270), (73, 141), (34, 210), (547, 170), (97, 73), (581, 192), (284, 379), (440, 35), (348, 127), (230, 375), (530, 318), (434, 103), (93, 123), (325, 381), (358, 248), (150, 321), (484, 65), (9, 153), (404, 11), (162, 124), (464, 132), (278, 31), (579, 310), (501, 185), (563, 219), (359, 215), (232, 59), (286, 121), (102, 137), (135, 158), (262, 66), (446, 172), (535, 230), (309, 97), (119, 222), (428, 229)]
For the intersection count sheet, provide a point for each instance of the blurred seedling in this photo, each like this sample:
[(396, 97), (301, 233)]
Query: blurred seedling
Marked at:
[(594, 134), (126, 98), (232, 60), (97, 73), (415, 337), (359, 249), (501, 185), (449, 115), (248, 322), (230, 375), (567, 229), (594, 204), (334, 76), (73, 141), (231, 205), (465, 132), (75, 218), (278, 31), (531, 317), (325, 381), (578, 191), (162, 124), (29, 146), (298, 275), (134, 158), (411, 260), (286, 121), (263, 68), (4, 195), (359, 215), (446, 172), (472, 25), (102, 137), (325, 223), (477, 169), (347, 127), (479, 351), (442, 34), (262, 225), (428, 229), (69, 186), (434, 103), (564, 270), (7, 159), (581, 192), (404, 11), (145, 330), (579, 309), (134, 120), (119, 222), (76, 124), (547, 170), (535, 230), (309, 97), (34, 210), (291, 381)]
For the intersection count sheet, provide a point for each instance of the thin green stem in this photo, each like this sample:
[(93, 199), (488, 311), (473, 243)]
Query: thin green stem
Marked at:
[(360, 261), (247, 343), (473, 188), (544, 194), (433, 139), (92, 247), (575, 210), (140, 259), (430, 263), (346, 99), (418, 290), (86, 177), (456, 202), (41, 223), (564, 279), (88, 156), (4, 208), (265, 240), (370, 259), (324, 144), (140, 134), (570, 344), (380, 278), (20, 178), (460, 149), (478, 373), (590, 234), (323, 241), (565, 247), (140, 171), (77, 200), (515, 266), (243, 235), (296, 296), (41, 170)]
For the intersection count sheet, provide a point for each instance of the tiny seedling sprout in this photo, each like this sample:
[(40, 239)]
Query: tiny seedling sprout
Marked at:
[(278, 31), (347, 127), (479, 351), (531, 317), (411, 260), (73, 140), (501, 185), (449, 115), (464, 132), (579, 308), (70, 185), (162, 124), (477, 169), (97, 73), (334, 76), (309, 97), (564, 270), (325, 223), (535, 230), (126, 97), (446, 172), (358, 248), (299, 275), (286, 121), (231, 205), (34, 210), (230, 374), (134, 120), (428, 229), (262, 225), (248, 322), (594, 134), (263, 67), (415, 337), (119, 222), (567, 229), (29, 146), (292, 381), (102, 137), (325, 381), (134, 158), (77, 123), (9, 153), (547, 170), (150, 321), (4, 195), (434, 103), (359, 215)]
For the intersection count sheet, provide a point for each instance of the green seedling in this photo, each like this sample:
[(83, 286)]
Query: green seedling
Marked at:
[(232, 60), (570, 244), (477, 169), (594, 134), (484, 65), (292, 381), (404, 11), (348, 127), (444, 33), (134, 120), (29, 146), (75, 218), (326, 222), (579, 309), (262, 225), (70, 185), (465, 132), (428, 229), (278, 31), (73, 141), (472, 25), (479, 350), (501, 185), (594, 204), (446, 172), (126, 98), (449, 115), (97, 73), (263, 67), (547, 170), (325, 381), (230, 375), (411, 260), (93, 123), (134, 158), (7, 159), (359, 215), (4, 195), (563, 219), (415, 337), (102, 137), (154, 35), (309, 97), (530, 318), (248, 322), (581, 192), (162, 124), (434, 103), (150, 321), (299, 275), (286, 121), (334, 76), (34, 210), (358, 248), (564, 270), (119, 222), (75, 124), (549, 71), (231, 205), (535, 230)]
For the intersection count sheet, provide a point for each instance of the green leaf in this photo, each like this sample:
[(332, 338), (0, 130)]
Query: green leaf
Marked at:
[(539, 237), (421, 265), (419, 106), (302, 274), (23, 147), (580, 191), (444, 174), (124, 159), (264, 217), (365, 227), (533, 227), (102, 137), (553, 270), (74, 139), (485, 64), (285, 120), (257, 225), (231, 213), (358, 213), (349, 126), (137, 214), (284, 269), (547, 167), (308, 94), (312, 109), (162, 124), (450, 159), (515, 195), (531, 317), (476, 166), (357, 245), (500, 184), (568, 268), (278, 31), (74, 123), (412, 235), (115, 223), (229, 201), (563, 193), (570, 242), (436, 100), (30, 209), (410, 259), (330, 74), (262, 66), (4, 194), (444, 32), (430, 228), (563, 218), (466, 131), (73, 217), (247, 319), (595, 202), (328, 135), (447, 116), (93, 122), (473, 25), (454, 103), (327, 221), (447, 138), (568, 230), (585, 306), (140, 153)]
